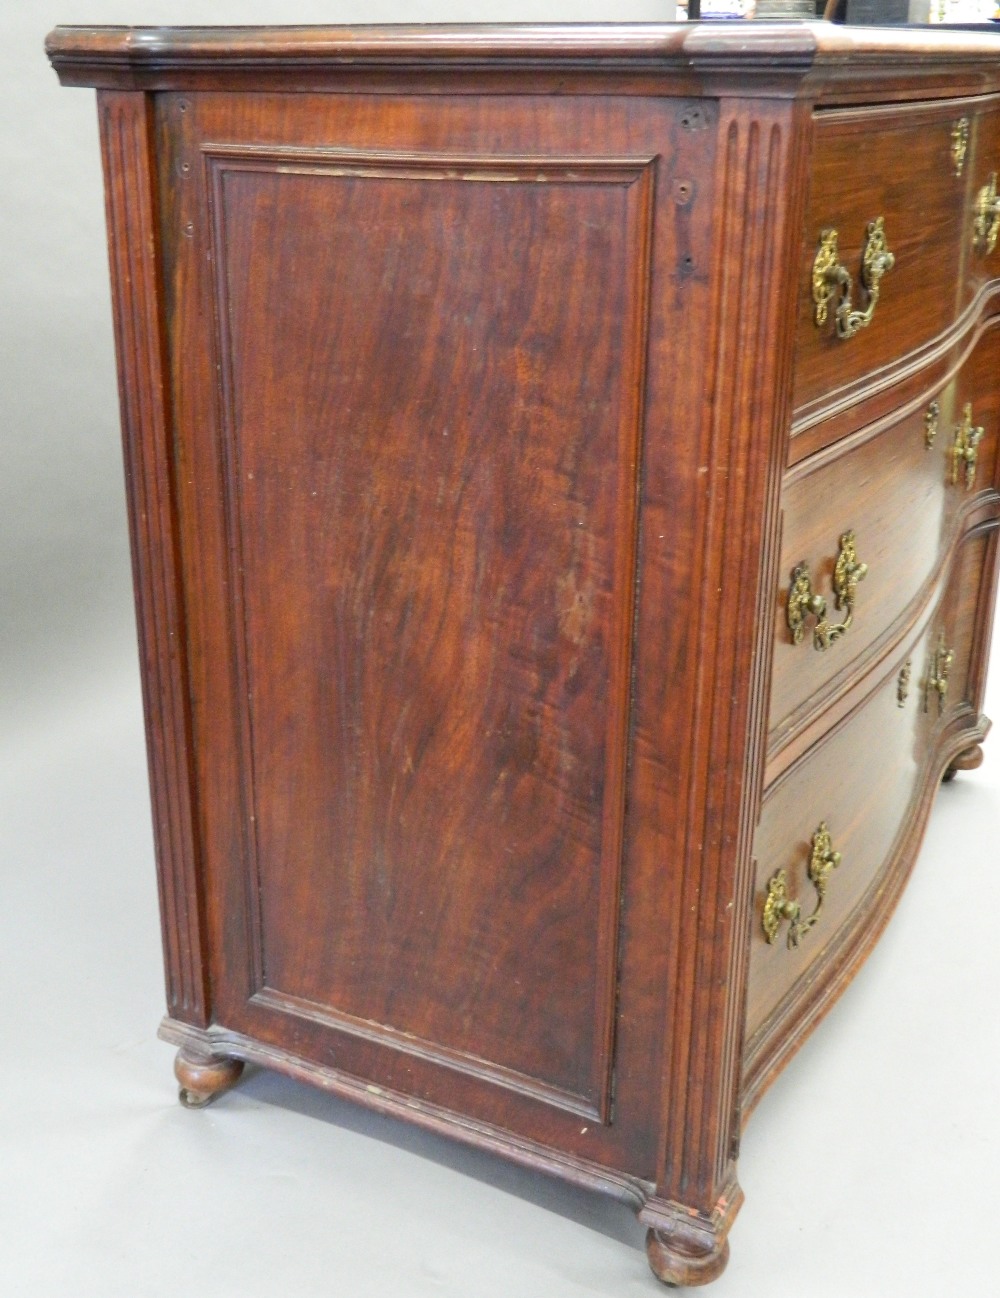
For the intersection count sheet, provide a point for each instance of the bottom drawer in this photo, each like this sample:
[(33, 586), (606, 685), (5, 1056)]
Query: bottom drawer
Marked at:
[(843, 822)]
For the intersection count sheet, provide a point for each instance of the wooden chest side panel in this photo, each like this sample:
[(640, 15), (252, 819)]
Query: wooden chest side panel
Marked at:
[(607, 144), (433, 398)]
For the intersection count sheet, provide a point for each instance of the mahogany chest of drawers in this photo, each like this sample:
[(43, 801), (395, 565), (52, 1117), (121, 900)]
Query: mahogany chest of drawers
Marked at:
[(563, 479)]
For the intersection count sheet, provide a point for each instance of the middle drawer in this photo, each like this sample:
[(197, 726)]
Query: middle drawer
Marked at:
[(885, 504)]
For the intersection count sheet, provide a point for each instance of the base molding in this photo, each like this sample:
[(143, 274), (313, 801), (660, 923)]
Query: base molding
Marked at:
[(683, 1245), (222, 1044)]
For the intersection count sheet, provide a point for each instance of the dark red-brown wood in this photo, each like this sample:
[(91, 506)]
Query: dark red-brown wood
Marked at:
[(433, 528), (457, 397)]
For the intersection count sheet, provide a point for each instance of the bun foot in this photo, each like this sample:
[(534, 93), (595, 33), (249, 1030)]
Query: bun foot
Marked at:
[(968, 760), (204, 1077), (675, 1265)]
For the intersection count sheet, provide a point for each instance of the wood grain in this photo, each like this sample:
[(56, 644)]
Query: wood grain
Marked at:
[(848, 65), (905, 151), (474, 416), (918, 376), (511, 131), (437, 589), (742, 519), (872, 780), (129, 165), (897, 495), (981, 267), (858, 781)]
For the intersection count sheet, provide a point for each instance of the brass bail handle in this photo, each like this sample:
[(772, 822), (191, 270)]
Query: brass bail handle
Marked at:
[(779, 905), (804, 602), (831, 279)]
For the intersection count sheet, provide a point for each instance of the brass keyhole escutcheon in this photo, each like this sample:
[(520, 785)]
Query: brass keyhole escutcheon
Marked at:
[(804, 602), (780, 906), (965, 452), (831, 280)]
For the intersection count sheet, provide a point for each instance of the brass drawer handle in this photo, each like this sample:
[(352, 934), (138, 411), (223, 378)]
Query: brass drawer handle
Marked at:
[(803, 602), (938, 675), (966, 449), (779, 906), (830, 279), (986, 226)]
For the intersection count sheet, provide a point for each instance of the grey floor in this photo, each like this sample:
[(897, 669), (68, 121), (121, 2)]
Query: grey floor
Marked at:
[(869, 1169)]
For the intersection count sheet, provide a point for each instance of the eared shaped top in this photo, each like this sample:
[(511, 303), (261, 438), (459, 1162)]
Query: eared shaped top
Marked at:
[(306, 57)]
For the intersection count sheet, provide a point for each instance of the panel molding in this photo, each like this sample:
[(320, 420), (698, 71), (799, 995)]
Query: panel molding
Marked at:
[(287, 159), (636, 175), (382, 1034), (219, 1042)]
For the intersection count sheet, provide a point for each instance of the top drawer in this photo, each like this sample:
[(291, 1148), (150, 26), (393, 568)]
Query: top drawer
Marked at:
[(904, 164), (984, 179)]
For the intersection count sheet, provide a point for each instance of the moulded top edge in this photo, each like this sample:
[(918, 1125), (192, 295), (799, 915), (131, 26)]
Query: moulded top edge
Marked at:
[(744, 48), (460, 44)]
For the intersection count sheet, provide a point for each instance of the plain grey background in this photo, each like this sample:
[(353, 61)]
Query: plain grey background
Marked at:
[(870, 1168)]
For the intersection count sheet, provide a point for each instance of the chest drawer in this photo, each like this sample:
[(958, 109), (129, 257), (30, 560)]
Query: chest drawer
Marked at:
[(898, 166), (983, 244), (865, 785), (901, 488)]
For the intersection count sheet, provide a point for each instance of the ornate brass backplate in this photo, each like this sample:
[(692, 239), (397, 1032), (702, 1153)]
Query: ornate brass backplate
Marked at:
[(826, 274), (986, 225), (903, 683), (779, 906), (938, 675), (966, 449), (931, 417), (803, 602), (959, 144), (830, 279)]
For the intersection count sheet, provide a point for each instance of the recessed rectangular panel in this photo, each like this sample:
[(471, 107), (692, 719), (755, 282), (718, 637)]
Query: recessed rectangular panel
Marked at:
[(433, 521)]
